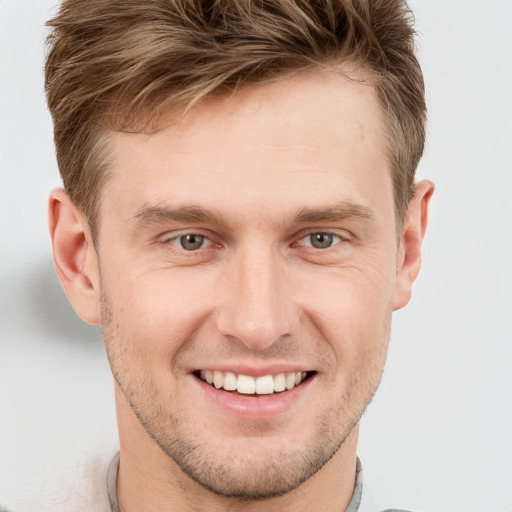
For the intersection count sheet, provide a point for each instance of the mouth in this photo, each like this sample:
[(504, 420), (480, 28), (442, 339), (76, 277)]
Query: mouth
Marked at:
[(249, 385)]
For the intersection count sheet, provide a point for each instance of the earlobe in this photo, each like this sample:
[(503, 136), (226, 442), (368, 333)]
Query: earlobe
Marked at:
[(74, 255), (409, 254)]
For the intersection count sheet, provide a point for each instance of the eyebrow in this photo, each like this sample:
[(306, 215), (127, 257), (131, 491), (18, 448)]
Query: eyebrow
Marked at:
[(340, 211), (151, 215)]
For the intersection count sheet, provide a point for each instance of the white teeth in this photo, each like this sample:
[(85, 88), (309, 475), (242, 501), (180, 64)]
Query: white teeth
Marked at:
[(230, 381), (290, 380), (247, 385), (218, 379), (265, 385), (279, 382)]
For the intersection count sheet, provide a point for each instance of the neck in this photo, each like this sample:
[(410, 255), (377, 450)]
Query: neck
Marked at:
[(149, 480)]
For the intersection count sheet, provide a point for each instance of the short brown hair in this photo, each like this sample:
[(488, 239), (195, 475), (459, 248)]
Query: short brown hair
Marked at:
[(116, 64)]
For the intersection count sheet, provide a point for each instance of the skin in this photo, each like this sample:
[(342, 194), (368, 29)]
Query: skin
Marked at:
[(277, 163)]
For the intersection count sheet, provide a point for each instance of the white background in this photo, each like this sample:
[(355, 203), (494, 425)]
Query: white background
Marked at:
[(438, 435)]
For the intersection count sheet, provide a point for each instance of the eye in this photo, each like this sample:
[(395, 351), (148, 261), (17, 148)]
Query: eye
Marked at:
[(320, 240), (190, 241)]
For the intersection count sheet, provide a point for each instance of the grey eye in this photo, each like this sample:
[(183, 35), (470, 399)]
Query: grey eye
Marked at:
[(321, 240), (191, 242)]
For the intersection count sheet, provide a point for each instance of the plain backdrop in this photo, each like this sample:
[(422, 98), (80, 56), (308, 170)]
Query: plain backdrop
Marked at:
[(438, 436)]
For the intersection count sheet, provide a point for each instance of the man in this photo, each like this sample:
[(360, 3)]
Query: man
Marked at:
[(240, 217)]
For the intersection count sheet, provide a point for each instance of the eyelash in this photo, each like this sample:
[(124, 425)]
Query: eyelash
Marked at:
[(177, 238), (328, 233), (174, 242)]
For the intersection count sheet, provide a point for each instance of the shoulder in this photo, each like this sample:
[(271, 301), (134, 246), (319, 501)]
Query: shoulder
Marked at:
[(80, 486)]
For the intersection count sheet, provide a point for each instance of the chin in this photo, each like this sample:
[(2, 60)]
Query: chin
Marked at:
[(252, 478)]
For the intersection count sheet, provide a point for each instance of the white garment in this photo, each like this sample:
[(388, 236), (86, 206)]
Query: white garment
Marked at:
[(78, 487)]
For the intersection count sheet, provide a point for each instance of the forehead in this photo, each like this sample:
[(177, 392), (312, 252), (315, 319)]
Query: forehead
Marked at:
[(306, 138)]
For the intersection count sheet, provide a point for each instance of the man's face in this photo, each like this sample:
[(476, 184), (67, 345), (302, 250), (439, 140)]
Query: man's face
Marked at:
[(255, 239)]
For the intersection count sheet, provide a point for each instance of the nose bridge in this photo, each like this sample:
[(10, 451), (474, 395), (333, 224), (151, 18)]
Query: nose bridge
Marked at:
[(258, 310)]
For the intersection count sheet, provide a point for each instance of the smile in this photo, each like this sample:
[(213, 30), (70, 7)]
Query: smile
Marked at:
[(247, 385)]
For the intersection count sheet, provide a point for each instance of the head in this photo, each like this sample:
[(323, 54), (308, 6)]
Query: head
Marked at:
[(237, 175)]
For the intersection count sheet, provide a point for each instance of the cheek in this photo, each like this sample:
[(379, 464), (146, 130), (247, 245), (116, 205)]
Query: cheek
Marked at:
[(351, 308), (156, 312)]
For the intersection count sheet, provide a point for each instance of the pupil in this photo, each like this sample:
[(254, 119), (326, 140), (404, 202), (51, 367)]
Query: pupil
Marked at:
[(321, 240), (191, 242)]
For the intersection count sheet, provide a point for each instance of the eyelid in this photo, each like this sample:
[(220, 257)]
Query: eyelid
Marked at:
[(174, 234), (172, 239), (205, 242), (343, 237)]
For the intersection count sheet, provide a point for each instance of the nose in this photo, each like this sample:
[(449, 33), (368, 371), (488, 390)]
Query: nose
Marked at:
[(258, 308)]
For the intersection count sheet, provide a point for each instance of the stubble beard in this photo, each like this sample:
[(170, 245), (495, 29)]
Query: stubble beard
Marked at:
[(235, 475)]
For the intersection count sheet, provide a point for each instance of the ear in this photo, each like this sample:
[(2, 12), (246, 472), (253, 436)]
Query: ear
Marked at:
[(74, 255), (409, 254)]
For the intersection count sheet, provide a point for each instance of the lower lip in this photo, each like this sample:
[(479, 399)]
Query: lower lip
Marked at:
[(255, 406)]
